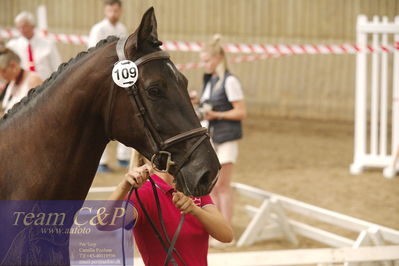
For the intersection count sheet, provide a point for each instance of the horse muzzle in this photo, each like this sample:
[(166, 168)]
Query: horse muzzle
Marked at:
[(196, 183)]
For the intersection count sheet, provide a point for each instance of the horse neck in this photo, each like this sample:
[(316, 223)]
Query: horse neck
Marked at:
[(62, 140)]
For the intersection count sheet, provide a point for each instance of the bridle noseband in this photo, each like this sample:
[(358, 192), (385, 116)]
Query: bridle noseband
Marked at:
[(159, 146)]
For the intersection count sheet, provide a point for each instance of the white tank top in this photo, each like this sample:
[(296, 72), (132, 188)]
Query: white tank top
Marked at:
[(15, 92)]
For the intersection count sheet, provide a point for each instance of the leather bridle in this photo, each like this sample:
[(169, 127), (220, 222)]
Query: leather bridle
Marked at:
[(159, 145)]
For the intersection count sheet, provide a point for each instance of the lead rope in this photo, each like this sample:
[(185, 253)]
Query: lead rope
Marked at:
[(171, 249), (177, 232)]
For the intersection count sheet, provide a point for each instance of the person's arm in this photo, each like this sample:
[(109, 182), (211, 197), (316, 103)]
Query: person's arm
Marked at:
[(136, 178), (208, 216), (239, 112), (235, 96), (194, 98)]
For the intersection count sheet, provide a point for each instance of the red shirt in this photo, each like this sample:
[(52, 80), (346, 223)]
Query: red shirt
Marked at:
[(192, 243)]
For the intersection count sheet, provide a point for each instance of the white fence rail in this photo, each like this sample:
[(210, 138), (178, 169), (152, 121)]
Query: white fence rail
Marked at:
[(321, 256), (270, 221)]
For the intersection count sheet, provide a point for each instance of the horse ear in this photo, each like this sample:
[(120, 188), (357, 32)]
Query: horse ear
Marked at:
[(147, 28)]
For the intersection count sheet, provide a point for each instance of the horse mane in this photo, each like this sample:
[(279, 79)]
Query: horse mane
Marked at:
[(40, 88)]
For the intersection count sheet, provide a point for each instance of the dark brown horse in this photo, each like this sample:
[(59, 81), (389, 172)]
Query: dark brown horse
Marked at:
[(51, 142)]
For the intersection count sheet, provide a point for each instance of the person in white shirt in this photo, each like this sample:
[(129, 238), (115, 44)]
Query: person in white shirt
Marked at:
[(110, 25), (37, 53)]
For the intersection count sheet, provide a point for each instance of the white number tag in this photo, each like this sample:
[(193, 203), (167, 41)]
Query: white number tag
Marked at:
[(125, 73)]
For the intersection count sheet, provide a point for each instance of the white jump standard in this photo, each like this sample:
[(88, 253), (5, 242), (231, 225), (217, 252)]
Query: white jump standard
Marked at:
[(375, 144)]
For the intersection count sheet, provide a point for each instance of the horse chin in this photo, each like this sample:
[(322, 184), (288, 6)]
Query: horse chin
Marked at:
[(192, 185)]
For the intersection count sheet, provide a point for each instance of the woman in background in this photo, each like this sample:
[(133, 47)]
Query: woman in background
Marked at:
[(19, 81), (223, 108)]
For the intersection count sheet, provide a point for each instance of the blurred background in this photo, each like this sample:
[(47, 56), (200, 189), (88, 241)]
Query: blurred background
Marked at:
[(298, 137), (300, 86)]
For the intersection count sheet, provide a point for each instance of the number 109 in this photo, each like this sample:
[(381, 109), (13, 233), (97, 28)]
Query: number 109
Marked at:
[(126, 73)]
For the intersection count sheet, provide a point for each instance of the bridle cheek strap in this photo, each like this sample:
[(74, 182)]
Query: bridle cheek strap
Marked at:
[(120, 50)]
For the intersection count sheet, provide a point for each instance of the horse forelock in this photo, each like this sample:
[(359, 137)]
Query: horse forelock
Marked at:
[(34, 92)]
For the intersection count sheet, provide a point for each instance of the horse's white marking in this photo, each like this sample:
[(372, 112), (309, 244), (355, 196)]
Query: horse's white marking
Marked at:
[(173, 70)]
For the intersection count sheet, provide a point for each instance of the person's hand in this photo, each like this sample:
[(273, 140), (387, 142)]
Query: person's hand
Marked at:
[(193, 97), (183, 203), (212, 115), (136, 177)]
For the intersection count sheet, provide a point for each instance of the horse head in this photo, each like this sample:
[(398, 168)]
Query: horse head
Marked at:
[(155, 115)]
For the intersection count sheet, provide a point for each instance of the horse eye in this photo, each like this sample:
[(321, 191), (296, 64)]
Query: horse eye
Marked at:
[(155, 91)]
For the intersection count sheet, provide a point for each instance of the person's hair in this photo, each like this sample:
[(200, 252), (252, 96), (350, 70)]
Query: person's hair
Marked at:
[(111, 2), (214, 48), (25, 16), (7, 55)]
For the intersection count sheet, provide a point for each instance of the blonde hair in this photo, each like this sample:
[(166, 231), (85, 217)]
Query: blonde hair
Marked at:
[(214, 48), (7, 55)]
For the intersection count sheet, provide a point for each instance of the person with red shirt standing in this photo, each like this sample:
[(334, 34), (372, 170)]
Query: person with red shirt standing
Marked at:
[(202, 218)]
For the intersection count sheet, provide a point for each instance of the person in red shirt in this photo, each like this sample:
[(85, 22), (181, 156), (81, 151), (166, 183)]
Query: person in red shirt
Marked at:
[(202, 218)]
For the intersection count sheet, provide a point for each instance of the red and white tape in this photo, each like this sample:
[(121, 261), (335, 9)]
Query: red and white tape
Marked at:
[(60, 38), (261, 51), (8, 33), (280, 49), (238, 59)]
